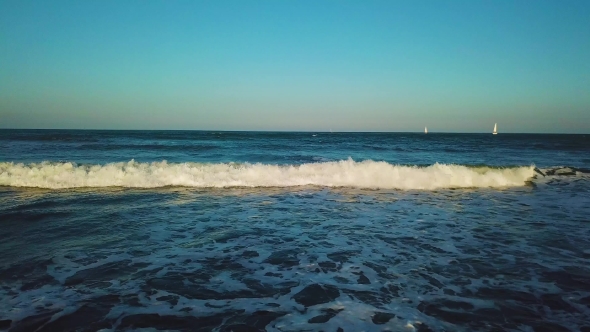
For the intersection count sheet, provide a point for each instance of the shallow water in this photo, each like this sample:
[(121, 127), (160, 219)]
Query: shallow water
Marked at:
[(297, 257)]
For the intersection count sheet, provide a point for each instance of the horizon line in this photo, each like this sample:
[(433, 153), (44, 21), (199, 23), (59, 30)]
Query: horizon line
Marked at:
[(329, 131)]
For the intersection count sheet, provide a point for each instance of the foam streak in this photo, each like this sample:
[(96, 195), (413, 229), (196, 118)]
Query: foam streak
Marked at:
[(345, 173)]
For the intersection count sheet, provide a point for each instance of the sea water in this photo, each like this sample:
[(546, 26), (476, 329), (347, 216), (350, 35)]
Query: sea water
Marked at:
[(281, 231)]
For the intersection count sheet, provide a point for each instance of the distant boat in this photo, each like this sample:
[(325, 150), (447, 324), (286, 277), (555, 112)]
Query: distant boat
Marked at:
[(495, 129), (425, 130)]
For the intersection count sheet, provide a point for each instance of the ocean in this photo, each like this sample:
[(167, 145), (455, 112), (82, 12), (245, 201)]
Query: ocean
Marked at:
[(293, 231)]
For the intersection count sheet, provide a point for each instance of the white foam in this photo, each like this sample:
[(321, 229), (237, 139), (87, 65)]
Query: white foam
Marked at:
[(345, 173)]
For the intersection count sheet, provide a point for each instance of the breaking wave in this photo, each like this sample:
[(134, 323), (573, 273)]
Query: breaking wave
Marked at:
[(345, 173)]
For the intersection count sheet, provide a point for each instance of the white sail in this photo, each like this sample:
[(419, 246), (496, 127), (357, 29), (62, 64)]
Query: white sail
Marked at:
[(425, 130), (495, 129)]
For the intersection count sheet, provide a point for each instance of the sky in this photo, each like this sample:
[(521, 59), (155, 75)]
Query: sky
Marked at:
[(341, 65)]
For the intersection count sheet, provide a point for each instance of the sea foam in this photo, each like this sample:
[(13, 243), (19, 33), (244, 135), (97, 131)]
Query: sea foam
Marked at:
[(345, 173)]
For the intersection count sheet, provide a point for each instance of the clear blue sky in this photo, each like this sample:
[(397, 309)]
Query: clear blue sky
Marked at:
[(296, 65)]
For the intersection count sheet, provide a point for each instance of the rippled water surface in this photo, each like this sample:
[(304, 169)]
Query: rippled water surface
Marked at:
[(286, 257)]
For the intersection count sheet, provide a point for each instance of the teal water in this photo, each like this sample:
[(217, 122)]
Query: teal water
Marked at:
[(293, 231)]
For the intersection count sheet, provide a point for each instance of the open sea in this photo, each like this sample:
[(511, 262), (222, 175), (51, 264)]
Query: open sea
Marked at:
[(280, 231)]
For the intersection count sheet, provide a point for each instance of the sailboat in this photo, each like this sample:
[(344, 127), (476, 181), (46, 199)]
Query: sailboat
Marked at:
[(425, 130), (495, 132)]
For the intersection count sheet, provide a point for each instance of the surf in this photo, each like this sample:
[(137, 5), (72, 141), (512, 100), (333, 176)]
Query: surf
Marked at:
[(344, 173)]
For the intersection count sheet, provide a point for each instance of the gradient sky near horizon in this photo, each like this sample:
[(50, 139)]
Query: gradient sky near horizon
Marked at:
[(456, 66)]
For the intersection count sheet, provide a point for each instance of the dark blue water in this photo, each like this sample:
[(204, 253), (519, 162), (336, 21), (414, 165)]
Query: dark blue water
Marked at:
[(293, 148), (242, 231)]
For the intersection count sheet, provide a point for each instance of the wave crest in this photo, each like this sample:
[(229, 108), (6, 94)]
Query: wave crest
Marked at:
[(345, 173)]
